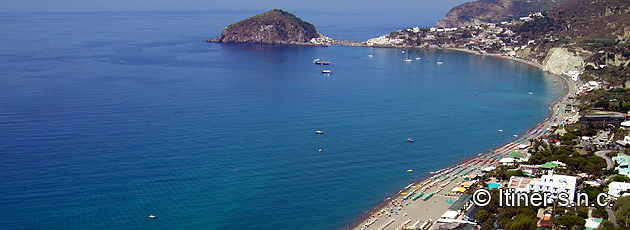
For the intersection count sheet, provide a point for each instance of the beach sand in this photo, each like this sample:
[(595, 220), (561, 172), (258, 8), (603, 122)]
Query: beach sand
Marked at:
[(435, 206)]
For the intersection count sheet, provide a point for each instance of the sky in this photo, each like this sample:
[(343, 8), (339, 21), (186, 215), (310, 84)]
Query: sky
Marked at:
[(422, 6)]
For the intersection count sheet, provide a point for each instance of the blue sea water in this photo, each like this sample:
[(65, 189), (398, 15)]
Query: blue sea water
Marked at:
[(106, 118)]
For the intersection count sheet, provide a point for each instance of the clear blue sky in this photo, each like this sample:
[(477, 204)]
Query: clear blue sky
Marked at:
[(423, 6)]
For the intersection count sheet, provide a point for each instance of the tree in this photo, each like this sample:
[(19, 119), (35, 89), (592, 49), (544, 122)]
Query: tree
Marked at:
[(569, 221), (607, 225), (524, 222), (482, 215), (603, 103), (622, 211)]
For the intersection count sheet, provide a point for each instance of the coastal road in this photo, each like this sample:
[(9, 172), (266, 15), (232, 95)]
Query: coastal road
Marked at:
[(611, 216), (609, 161)]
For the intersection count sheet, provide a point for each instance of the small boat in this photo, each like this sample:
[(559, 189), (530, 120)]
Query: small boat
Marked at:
[(418, 58), (319, 61), (319, 132), (531, 93), (152, 216), (440, 62), (409, 170), (476, 93), (327, 71), (500, 130), (369, 55), (409, 140), (515, 135), (407, 58)]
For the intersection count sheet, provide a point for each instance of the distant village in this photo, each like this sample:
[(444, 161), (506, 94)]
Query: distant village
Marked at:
[(488, 38)]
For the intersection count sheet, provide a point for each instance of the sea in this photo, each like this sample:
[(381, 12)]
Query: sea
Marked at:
[(109, 117)]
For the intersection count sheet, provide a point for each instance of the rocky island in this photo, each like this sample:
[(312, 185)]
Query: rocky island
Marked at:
[(273, 27)]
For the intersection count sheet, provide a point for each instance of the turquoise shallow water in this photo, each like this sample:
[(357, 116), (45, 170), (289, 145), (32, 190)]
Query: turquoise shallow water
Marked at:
[(106, 118)]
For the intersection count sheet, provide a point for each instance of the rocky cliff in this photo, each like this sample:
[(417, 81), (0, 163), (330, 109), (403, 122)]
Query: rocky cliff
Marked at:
[(272, 27), (484, 11), (560, 61)]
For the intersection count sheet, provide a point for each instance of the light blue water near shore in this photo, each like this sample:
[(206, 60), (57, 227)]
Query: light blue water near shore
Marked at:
[(106, 118)]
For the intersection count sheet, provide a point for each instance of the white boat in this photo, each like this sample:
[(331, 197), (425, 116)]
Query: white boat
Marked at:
[(418, 58), (152, 216), (369, 55), (407, 59), (440, 62), (319, 132), (319, 61), (327, 71)]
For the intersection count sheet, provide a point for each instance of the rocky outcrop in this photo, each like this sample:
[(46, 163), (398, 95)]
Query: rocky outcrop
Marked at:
[(272, 27), (485, 11), (561, 61)]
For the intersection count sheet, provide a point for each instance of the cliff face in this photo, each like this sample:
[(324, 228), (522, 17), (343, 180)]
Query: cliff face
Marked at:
[(484, 11), (272, 27), (560, 61)]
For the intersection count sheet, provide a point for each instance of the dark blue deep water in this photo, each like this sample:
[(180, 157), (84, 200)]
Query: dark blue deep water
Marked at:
[(106, 118)]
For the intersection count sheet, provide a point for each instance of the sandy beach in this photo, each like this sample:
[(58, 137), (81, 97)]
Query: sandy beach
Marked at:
[(395, 211)]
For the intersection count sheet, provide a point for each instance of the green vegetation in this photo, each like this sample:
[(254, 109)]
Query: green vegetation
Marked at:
[(569, 222), (513, 218), (621, 210), (567, 153), (616, 99)]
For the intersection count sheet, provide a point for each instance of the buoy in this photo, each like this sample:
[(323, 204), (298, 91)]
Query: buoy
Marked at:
[(152, 216)]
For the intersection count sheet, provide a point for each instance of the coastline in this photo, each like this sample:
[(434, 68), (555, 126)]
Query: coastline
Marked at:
[(535, 132)]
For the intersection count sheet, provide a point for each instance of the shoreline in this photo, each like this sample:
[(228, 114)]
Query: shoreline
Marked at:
[(535, 132)]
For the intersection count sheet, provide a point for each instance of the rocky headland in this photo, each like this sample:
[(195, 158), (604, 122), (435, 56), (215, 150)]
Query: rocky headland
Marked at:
[(492, 11), (273, 27)]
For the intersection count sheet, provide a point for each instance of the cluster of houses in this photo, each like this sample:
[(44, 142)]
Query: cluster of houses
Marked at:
[(486, 38)]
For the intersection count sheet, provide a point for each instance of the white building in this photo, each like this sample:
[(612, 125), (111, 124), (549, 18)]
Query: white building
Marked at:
[(550, 183), (617, 188), (384, 40), (626, 139)]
